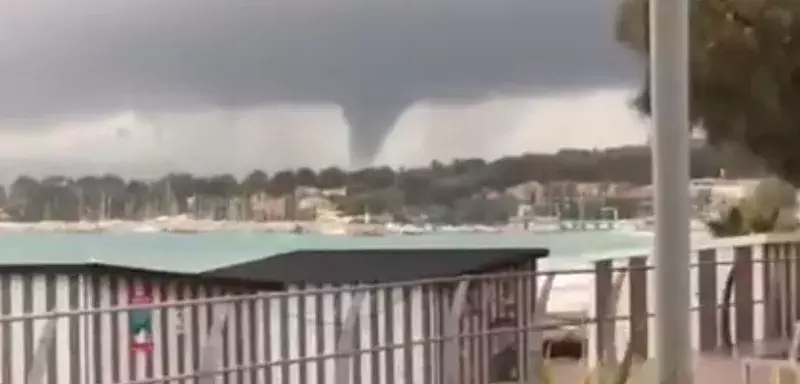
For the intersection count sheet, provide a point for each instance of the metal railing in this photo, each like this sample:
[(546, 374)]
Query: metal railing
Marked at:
[(485, 328)]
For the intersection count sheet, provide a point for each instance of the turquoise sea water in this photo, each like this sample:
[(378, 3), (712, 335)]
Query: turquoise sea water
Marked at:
[(199, 252)]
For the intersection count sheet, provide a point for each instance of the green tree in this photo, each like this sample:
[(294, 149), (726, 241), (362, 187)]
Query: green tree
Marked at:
[(282, 183), (744, 70), (137, 193), (224, 186), (255, 182), (331, 177), (305, 177)]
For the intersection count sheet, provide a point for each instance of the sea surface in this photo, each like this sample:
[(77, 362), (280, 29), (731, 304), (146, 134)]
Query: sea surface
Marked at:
[(198, 252)]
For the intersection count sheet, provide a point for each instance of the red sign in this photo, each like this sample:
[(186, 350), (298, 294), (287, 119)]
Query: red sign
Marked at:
[(140, 321)]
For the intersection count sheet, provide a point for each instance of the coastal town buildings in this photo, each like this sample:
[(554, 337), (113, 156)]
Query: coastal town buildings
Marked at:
[(565, 199)]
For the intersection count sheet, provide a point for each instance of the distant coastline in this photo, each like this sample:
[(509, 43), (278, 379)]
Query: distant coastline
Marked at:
[(568, 184)]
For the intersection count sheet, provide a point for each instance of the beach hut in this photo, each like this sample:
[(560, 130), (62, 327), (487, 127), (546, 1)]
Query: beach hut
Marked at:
[(85, 342), (303, 317), (391, 316)]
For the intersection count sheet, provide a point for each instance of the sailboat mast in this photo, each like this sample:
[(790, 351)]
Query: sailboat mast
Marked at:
[(102, 205), (81, 202)]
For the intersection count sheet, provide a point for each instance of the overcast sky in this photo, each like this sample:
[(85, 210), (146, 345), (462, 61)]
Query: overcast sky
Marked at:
[(145, 86)]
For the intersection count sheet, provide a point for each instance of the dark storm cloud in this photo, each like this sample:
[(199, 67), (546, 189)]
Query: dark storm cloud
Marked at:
[(92, 56), (373, 58)]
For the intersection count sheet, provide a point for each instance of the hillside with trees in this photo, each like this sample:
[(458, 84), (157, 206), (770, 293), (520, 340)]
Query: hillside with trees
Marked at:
[(382, 189)]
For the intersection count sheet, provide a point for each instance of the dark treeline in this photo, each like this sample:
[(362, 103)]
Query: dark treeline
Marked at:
[(379, 188)]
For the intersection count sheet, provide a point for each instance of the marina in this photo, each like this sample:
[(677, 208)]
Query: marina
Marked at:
[(187, 225)]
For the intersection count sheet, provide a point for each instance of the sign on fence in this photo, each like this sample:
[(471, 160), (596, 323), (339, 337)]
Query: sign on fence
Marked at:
[(140, 321)]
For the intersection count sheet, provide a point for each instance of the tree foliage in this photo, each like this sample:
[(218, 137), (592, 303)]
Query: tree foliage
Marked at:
[(255, 182), (744, 71), (771, 207)]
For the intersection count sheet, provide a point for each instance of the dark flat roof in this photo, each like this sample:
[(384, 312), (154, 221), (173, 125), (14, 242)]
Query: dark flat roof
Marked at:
[(110, 269), (318, 266), (375, 265)]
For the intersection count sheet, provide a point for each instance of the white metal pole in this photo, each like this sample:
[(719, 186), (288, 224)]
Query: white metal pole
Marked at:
[(669, 70)]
